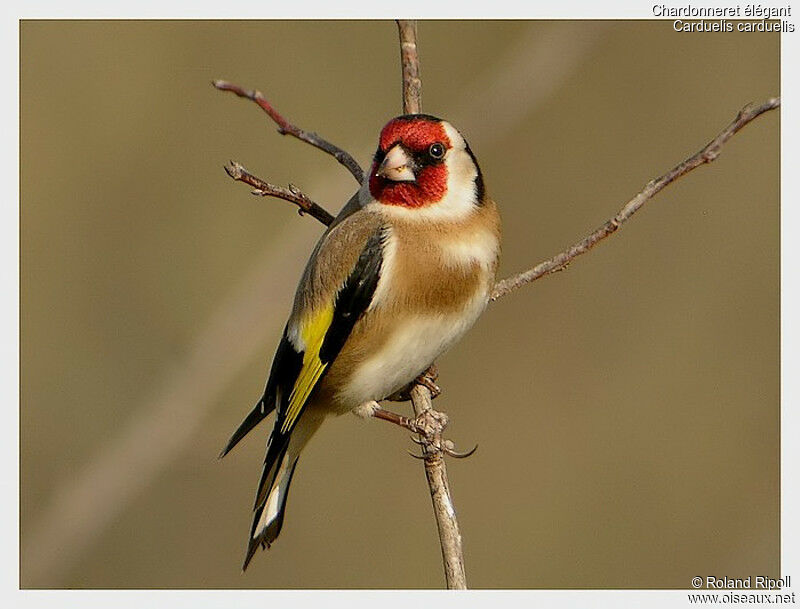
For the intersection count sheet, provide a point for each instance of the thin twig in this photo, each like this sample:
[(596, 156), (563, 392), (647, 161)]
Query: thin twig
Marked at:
[(708, 154), (436, 473), (287, 128), (409, 59), (291, 194)]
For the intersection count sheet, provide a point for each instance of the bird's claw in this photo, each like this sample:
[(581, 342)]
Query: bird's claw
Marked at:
[(429, 425), (449, 449)]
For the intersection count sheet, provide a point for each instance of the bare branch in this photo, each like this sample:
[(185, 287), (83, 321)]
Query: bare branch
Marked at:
[(287, 128), (291, 194), (436, 473), (709, 153), (409, 59)]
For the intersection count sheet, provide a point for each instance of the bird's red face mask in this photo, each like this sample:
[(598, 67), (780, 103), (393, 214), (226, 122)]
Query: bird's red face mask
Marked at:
[(410, 166)]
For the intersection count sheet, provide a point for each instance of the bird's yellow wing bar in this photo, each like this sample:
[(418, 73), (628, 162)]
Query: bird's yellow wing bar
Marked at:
[(313, 331)]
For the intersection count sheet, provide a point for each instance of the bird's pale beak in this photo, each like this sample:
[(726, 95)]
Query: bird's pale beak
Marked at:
[(397, 166)]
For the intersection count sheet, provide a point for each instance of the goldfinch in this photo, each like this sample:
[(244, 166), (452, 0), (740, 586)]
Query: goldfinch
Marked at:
[(400, 275)]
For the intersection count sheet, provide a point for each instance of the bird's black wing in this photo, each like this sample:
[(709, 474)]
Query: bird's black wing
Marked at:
[(295, 374)]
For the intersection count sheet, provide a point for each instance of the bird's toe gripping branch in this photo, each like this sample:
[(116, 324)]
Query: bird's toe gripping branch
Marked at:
[(428, 379), (429, 426)]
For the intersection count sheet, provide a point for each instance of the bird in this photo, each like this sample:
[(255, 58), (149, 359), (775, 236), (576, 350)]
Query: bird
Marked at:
[(398, 277)]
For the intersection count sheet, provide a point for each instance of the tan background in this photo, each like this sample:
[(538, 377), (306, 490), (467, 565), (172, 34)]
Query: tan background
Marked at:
[(627, 410)]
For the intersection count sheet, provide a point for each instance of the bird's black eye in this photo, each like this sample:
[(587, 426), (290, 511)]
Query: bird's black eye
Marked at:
[(436, 151)]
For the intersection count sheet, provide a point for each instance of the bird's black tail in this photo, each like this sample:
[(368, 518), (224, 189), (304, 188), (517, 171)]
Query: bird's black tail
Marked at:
[(285, 365), (258, 414), (273, 489)]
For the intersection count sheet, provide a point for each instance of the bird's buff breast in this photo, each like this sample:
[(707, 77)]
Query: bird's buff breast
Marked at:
[(399, 354), (428, 297)]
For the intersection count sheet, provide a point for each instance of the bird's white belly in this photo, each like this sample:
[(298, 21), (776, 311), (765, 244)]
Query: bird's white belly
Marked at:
[(411, 348)]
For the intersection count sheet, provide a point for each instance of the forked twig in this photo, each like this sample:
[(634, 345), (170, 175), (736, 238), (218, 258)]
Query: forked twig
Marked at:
[(708, 154), (287, 128), (291, 194)]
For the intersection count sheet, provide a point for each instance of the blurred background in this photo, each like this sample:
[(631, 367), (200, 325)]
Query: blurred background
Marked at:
[(627, 410)]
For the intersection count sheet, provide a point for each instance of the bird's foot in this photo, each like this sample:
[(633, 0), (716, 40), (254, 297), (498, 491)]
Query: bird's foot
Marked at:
[(392, 417), (448, 447), (430, 425)]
